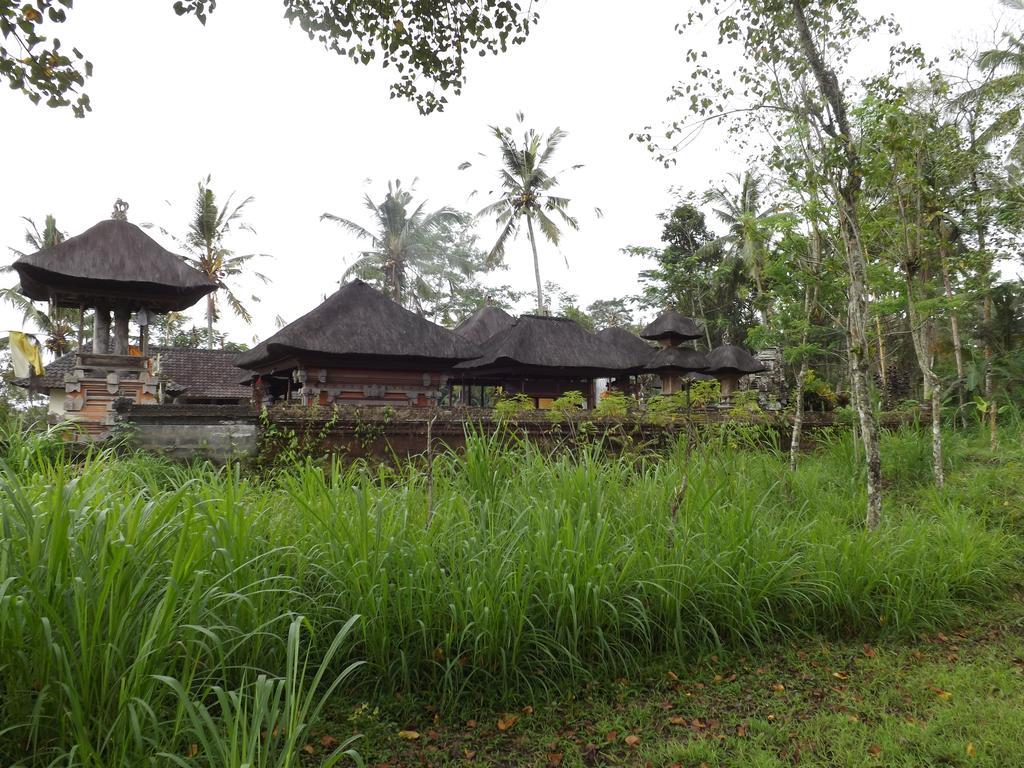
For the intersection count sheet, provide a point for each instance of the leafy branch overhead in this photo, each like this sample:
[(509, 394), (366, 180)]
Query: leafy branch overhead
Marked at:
[(426, 42)]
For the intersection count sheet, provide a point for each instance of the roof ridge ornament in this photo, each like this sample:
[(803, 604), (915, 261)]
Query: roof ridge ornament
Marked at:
[(727, 336), (120, 212)]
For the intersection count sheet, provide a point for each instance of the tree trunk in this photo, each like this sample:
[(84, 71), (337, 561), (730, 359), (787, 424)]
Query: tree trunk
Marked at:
[(881, 353), (211, 309), (536, 266), (919, 336), (954, 322), (848, 186)]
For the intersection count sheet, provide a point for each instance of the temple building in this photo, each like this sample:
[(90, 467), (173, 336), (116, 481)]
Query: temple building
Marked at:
[(358, 347), (544, 358), (674, 362), (116, 270)]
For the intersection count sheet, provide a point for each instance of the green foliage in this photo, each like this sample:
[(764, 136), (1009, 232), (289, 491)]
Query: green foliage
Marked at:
[(704, 393), (614, 404), (421, 42), (818, 393), (569, 404), (140, 601), (746, 402), (510, 407)]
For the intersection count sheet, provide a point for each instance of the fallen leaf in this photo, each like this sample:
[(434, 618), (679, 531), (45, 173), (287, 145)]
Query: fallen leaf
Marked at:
[(869, 651), (874, 749), (778, 687), (672, 676), (309, 749), (678, 720), (471, 723), (506, 722), (611, 736), (944, 695), (840, 675), (409, 735), (554, 759), (469, 753), (970, 749), (632, 740), (328, 741), (942, 638), (527, 710), (193, 750)]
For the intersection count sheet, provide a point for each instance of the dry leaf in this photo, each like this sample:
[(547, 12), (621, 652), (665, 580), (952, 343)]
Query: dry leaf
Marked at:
[(410, 735), (554, 759), (778, 687), (633, 740), (869, 651), (527, 710), (469, 753), (328, 741), (874, 749), (672, 676), (840, 675), (970, 749), (471, 723), (678, 720), (611, 736), (944, 695), (309, 749), (193, 750), (506, 722)]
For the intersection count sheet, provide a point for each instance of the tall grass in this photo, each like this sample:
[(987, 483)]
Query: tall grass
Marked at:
[(151, 612)]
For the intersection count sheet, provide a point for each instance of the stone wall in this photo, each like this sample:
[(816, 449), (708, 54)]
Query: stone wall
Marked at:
[(184, 432)]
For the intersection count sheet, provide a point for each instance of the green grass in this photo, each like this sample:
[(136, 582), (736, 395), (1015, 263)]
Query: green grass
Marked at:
[(152, 613)]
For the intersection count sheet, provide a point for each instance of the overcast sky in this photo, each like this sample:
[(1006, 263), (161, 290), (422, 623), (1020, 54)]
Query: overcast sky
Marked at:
[(268, 113)]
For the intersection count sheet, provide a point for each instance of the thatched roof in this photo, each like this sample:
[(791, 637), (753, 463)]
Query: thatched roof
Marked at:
[(113, 262), (197, 374), (678, 359), (359, 326), (671, 324), (729, 358), (630, 346), (536, 345), (483, 324)]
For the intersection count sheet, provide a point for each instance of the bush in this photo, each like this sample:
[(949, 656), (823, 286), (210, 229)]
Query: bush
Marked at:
[(614, 404), (568, 404)]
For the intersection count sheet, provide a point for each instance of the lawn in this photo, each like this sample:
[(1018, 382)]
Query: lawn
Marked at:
[(154, 614)]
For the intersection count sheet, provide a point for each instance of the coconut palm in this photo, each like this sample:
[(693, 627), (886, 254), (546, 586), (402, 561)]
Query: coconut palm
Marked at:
[(205, 249), (56, 324), (403, 255), (526, 184), (749, 229)]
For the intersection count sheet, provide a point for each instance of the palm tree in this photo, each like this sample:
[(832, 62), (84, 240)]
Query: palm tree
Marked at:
[(57, 324), (750, 229), (403, 251), (205, 250), (526, 184)]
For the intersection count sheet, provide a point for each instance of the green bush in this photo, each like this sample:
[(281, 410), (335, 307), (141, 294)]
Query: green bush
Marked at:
[(614, 404), (569, 404), (510, 407)]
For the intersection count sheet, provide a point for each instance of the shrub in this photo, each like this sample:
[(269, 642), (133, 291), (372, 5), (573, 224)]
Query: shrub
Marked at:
[(510, 407), (568, 404), (614, 404)]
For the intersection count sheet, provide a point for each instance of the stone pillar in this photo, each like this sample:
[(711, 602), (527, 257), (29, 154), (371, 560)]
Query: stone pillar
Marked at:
[(121, 331), (101, 331)]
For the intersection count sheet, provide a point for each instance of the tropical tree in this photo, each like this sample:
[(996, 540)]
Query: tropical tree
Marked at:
[(56, 324), (404, 252), (205, 249), (750, 229), (526, 185)]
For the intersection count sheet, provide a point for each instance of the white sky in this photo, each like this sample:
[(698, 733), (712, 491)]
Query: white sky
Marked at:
[(270, 114)]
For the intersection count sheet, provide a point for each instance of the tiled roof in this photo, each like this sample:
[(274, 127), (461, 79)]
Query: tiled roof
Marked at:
[(196, 373)]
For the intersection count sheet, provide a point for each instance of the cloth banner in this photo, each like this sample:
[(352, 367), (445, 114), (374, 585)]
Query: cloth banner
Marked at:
[(25, 355)]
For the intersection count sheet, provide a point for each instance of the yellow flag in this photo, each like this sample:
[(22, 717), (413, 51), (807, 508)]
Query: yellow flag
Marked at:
[(25, 355)]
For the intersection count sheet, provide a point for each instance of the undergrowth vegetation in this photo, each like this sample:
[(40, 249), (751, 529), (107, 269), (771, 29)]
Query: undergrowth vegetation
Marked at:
[(153, 613)]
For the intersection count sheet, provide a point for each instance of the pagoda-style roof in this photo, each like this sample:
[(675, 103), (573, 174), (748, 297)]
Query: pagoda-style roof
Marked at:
[(358, 326), (113, 263), (678, 360), (731, 359), (536, 345), (672, 325), (484, 323), (630, 346)]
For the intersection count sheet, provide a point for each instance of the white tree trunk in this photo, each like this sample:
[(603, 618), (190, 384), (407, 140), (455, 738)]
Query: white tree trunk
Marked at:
[(536, 266)]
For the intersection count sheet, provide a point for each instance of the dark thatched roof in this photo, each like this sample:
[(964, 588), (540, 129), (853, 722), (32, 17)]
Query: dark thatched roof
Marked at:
[(670, 325), (197, 374), (630, 346), (729, 358), (536, 345), (359, 326), (678, 359), (116, 262), (483, 324)]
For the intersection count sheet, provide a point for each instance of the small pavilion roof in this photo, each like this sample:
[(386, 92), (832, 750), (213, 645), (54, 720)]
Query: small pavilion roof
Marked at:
[(116, 263), (670, 324), (678, 360), (358, 325), (536, 345), (729, 358), (484, 323), (630, 346)]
